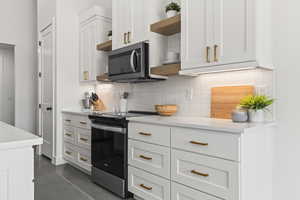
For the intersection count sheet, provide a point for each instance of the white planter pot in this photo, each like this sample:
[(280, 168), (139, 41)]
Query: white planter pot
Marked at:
[(171, 13), (256, 115), (109, 37)]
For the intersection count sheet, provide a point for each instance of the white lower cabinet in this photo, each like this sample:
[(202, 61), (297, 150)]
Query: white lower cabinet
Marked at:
[(148, 186), (198, 164), (153, 158), (77, 141), (181, 192), (211, 175)]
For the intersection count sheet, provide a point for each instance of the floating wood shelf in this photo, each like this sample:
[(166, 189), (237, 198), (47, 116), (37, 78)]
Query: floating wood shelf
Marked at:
[(106, 46), (167, 70), (168, 26), (103, 78)]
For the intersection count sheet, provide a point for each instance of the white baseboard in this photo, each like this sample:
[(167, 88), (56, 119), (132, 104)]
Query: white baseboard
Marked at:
[(58, 161)]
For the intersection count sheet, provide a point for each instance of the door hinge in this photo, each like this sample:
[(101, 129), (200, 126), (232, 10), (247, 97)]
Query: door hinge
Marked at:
[(40, 43), (40, 74), (40, 106)]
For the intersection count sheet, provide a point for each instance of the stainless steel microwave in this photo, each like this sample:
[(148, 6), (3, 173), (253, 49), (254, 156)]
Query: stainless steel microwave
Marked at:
[(131, 64)]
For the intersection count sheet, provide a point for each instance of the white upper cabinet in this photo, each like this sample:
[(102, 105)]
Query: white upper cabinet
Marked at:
[(131, 24), (217, 35), (93, 29)]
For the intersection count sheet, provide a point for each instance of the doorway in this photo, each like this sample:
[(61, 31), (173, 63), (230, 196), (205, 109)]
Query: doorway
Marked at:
[(7, 84), (46, 89)]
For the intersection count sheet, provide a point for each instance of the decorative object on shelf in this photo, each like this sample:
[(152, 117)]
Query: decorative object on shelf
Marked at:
[(166, 110), (123, 102), (172, 9), (97, 103), (109, 35), (239, 115), (256, 105)]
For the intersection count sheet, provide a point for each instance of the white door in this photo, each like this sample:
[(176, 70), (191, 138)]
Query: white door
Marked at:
[(233, 31), (197, 33), (47, 90), (7, 85)]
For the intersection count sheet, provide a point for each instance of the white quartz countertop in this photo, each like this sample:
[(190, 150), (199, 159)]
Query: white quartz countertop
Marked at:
[(77, 112), (200, 123), (11, 137)]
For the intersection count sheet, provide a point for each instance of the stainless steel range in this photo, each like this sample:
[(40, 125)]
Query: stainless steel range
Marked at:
[(109, 150)]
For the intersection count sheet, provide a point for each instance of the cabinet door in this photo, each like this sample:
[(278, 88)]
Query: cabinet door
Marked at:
[(233, 31), (138, 26), (121, 22), (87, 51), (197, 33)]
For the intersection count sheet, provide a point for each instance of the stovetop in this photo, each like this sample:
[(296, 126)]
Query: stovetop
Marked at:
[(122, 115)]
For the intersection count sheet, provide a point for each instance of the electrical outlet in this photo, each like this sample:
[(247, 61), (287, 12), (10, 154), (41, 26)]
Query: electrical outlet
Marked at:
[(189, 93)]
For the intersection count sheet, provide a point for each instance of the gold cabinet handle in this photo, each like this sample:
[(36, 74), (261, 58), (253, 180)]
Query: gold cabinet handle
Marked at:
[(68, 152), (83, 159), (68, 134), (208, 54), (216, 53), (83, 123), (145, 187), (199, 143), (199, 173), (128, 37), (145, 157), (84, 139), (145, 134), (125, 38)]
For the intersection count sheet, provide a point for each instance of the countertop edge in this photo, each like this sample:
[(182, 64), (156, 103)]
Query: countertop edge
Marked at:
[(21, 144)]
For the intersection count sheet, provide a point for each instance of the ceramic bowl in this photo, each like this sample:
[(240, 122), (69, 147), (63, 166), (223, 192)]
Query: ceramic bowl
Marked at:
[(166, 110)]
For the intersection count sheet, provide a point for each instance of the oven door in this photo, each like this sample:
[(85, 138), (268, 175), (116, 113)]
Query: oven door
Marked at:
[(109, 149), (128, 63)]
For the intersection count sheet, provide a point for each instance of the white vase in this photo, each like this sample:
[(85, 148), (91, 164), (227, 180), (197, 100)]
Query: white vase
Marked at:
[(256, 115), (171, 13), (109, 37)]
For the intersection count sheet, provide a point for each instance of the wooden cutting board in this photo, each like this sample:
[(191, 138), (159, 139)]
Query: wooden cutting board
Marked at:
[(225, 99)]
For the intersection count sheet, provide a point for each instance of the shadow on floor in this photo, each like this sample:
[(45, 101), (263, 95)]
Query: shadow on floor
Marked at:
[(65, 183)]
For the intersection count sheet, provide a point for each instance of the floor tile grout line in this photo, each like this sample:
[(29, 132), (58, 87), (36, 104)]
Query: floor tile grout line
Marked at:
[(77, 188)]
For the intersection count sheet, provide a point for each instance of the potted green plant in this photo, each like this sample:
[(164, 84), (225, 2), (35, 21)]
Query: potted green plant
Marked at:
[(172, 9), (109, 35), (256, 105)]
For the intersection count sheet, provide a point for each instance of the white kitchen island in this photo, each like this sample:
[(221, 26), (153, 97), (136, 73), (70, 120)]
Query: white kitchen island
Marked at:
[(17, 163)]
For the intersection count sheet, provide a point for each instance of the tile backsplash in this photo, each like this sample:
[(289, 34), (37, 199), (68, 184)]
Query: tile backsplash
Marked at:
[(192, 94)]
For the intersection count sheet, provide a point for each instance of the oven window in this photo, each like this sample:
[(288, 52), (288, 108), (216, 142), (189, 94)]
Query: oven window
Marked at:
[(108, 149)]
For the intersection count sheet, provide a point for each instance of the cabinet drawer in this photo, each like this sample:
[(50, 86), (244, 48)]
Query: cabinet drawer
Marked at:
[(149, 157), (83, 138), (82, 122), (69, 152), (69, 134), (84, 159), (211, 175), (180, 192), (148, 186), (223, 145), (68, 120), (150, 133)]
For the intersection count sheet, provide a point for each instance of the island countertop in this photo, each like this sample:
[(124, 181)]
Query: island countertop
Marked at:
[(200, 123), (12, 137)]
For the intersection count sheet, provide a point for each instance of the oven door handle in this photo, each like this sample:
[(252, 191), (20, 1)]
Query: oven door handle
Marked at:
[(132, 61), (109, 128)]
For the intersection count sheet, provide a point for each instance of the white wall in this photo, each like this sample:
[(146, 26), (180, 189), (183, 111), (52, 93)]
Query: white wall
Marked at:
[(286, 48), (46, 12), (18, 27)]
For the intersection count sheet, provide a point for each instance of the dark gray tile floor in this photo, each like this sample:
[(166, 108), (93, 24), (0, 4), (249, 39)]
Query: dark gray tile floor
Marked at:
[(65, 183)]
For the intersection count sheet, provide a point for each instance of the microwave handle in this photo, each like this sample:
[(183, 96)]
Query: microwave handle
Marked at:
[(132, 61)]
